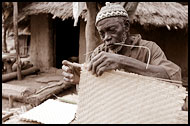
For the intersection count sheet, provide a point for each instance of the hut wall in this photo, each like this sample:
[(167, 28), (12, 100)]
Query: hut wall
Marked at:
[(174, 43), (23, 45), (41, 47), (82, 42)]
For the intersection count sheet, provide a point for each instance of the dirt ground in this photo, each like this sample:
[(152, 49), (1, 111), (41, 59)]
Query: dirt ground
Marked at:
[(31, 81)]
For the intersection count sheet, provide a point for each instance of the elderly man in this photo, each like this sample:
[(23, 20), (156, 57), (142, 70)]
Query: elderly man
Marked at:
[(123, 51)]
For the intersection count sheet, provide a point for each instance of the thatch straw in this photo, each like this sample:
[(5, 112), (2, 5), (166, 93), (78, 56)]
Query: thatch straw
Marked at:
[(160, 14), (169, 14), (62, 10)]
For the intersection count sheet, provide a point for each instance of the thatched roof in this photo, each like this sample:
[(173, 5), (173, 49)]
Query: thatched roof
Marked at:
[(170, 14), (62, 10)]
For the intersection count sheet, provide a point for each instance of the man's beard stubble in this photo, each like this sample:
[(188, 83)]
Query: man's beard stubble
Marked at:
[(117, 48)]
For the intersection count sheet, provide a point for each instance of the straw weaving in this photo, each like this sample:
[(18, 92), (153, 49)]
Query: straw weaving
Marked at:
[(120, 97), (51, 112)]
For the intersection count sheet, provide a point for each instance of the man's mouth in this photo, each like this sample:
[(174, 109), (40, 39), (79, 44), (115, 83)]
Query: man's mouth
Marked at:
[(109, 43)]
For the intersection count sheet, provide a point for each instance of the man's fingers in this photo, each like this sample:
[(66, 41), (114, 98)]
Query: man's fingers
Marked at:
[(76, 65), (97, 63), (93, 60), (67, 80), (101, 71), (65, 68), (67, 75), (65, 62), (101, 68)]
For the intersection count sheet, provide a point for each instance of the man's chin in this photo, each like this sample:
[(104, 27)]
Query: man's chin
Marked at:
[(115, 48), (111, 46)]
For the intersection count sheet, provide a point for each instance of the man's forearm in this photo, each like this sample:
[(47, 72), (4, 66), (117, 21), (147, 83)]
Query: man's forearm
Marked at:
[(132, 65)]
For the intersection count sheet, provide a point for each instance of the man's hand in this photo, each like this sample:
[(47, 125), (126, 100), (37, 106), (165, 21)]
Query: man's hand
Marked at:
[(104, 62), (71, 72)]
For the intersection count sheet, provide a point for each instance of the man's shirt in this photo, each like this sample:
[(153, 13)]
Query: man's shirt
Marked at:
[(157, 56)]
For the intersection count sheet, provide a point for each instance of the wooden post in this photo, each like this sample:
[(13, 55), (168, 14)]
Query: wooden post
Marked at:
[(15, 21), (4, 35), (4, 40), (6, 116), (11, 101), (10, 76), (47, 92), (91, 34)]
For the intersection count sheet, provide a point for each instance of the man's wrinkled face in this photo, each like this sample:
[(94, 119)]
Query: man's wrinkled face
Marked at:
[(111, 31)]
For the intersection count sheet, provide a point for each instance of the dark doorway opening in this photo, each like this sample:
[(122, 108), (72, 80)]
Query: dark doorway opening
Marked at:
[(66, 39)]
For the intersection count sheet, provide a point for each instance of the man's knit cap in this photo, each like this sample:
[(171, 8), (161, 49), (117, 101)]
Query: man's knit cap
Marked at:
[(110, 10)]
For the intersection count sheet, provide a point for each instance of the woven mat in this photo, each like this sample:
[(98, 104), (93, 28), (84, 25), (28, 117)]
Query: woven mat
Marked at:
[(119, 97), (51, 112)]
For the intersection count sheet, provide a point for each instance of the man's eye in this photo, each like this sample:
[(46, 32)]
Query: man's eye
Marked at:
[(101, 34), (112, 30)]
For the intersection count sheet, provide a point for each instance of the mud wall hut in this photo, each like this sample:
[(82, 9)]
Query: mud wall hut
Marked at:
[(53, 36), (50, 32)]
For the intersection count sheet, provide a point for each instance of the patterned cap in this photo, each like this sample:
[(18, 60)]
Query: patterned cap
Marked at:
[(111, 10)]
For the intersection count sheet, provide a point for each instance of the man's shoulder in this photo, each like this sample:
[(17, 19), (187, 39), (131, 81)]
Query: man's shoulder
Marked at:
[(138, 40), (147, 42)]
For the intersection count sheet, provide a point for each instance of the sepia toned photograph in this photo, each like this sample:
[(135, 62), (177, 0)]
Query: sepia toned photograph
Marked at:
[(94, 62)]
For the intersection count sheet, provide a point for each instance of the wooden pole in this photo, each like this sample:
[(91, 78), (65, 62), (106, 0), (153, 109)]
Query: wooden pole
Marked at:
[(47, 92), (6, 116), (15, 21), (11, 101), (4, 35), (91, 34), (13, 75), (4, 40)]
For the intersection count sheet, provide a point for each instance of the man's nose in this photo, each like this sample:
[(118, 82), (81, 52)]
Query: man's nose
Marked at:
[(107, 37)]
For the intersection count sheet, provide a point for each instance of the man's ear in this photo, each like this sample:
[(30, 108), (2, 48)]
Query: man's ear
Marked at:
[(127, 25)]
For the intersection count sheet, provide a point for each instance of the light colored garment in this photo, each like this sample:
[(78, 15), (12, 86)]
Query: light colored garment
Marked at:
[(78, 7)]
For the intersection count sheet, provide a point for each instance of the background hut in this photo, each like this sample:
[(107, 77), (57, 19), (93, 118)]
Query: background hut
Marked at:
[(165, 23), (53, 37)]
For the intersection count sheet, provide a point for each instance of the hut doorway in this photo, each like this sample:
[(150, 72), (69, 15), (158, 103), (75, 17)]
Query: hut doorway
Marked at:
[(66, 40)]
